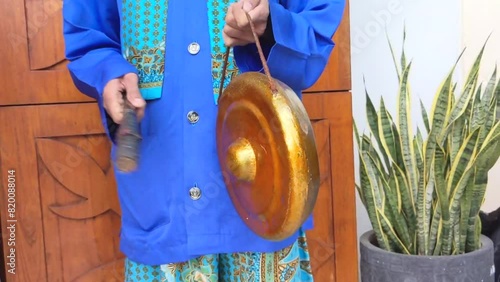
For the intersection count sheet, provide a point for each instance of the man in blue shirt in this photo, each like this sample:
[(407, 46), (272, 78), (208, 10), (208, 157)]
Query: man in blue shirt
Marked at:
[(178, 222)]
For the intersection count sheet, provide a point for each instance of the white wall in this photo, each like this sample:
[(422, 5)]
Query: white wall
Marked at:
[(436, 31)]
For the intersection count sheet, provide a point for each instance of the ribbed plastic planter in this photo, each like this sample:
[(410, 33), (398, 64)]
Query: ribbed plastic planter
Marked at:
[(378, 265)]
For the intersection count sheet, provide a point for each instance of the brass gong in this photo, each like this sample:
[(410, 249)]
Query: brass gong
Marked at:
[(267, 153)]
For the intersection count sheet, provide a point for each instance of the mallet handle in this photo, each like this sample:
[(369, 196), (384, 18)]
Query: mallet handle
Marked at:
[(128, 139)]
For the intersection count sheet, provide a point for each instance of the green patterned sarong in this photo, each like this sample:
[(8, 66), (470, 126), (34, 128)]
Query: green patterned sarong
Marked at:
[(288, 265)]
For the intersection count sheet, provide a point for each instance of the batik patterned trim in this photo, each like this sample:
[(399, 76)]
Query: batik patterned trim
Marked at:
[(217, 10), (143, 37), (143, 31)]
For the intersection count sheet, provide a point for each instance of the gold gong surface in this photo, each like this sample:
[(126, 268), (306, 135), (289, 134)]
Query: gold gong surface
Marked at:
[(268, 155)]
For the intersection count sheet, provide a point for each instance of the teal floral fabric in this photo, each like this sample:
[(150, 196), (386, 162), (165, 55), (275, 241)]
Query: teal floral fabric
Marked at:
[(143, 29), (217, 10), (291, 264)]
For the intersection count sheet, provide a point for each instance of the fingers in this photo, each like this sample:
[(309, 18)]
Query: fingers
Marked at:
[(257, 10), (231, 41), (238, 35), (236, 17), (113, 97), (248, 5), (131, 84), (259, 15), (113, 101), (237, 31)]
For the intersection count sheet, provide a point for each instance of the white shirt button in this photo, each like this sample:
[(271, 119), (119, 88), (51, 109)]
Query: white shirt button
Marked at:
[(193, 117), (194, 48), (195, 193)]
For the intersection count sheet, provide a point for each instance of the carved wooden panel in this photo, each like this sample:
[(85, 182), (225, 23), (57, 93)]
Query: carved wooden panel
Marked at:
[(44, 31), (67, 212), (320, 239), (80, 209), (32, 54), (336, 109)]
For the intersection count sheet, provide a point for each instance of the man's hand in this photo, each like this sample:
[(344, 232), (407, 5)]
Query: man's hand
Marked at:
[(237, 30), (113, 96)]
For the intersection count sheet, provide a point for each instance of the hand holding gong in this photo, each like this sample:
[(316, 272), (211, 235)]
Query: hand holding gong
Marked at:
[(266, 148), (237, 31)]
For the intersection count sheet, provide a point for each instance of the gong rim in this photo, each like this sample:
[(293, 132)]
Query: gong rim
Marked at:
[(262, 135)]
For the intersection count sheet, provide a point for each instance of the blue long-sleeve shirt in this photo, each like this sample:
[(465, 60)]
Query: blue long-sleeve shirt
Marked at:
[(161, 222)]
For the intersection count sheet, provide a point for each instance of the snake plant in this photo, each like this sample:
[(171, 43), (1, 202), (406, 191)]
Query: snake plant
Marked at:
[(423, 189)]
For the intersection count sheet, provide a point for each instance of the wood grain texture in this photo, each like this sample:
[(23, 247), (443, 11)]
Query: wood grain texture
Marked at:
[(337, 109), (320, 239), (45, 39), (33, 52), (68, 216)]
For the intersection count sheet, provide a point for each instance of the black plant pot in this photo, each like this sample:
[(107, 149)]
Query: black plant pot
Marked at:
[(378, 265)]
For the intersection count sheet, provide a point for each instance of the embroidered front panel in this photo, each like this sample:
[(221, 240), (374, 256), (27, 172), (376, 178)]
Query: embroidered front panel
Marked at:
[(143, 29), (217, 10)]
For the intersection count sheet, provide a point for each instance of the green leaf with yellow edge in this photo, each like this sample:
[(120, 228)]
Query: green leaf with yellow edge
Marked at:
[(460, 106), (425, 117), (435, 231), (372, 116), (373, 199), (442, 197), (406, 179), (386, 133), (404, 117), (392, 235), (439, 118), (392, 209), (398, 72), (489, 92), (461, 164)]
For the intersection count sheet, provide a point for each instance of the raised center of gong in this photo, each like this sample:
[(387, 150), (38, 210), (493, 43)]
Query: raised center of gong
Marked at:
[(241, 160)]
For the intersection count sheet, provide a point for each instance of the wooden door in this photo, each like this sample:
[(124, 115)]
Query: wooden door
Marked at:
[(333, 241), (64, 216)]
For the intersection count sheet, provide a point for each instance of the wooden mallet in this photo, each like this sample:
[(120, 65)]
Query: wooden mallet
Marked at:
[(128, 139)]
